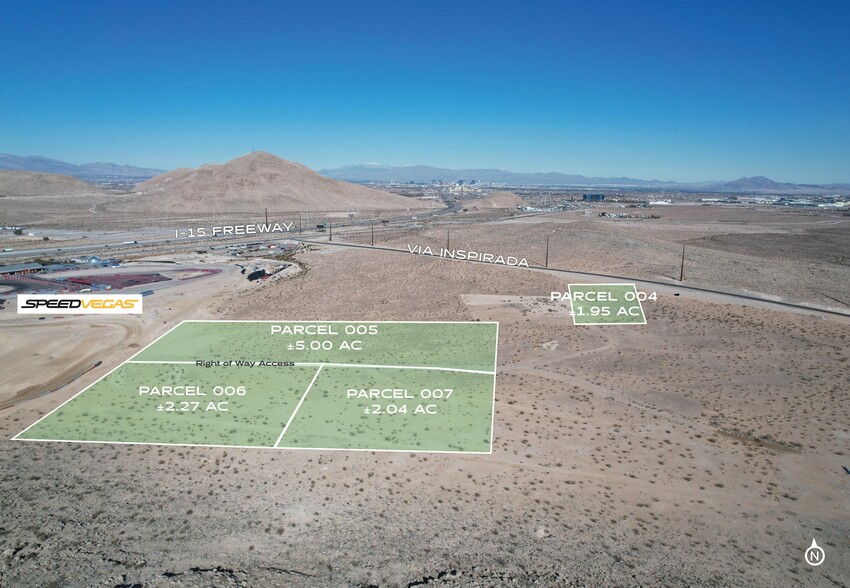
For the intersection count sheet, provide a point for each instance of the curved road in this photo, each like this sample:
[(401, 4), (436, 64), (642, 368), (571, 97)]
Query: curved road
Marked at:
[(9, 287)]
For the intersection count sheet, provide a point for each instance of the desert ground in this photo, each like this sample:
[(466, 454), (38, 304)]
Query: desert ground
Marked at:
[(703, 448)]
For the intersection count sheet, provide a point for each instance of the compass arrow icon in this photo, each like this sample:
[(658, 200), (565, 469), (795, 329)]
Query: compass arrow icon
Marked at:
[(814, 554)]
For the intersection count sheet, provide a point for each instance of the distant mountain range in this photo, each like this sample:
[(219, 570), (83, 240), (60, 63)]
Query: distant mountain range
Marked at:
[(35, 163), (423, 174), (371, 172), (763, 184)]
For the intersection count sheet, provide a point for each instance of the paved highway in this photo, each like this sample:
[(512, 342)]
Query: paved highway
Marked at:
[(42, 251), (123, 245)]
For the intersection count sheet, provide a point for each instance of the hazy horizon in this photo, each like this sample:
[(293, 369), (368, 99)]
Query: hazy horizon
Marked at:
[(455, 168)]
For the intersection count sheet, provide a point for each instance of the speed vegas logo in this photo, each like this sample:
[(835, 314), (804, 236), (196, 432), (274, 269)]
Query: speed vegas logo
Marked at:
[(79, 304)]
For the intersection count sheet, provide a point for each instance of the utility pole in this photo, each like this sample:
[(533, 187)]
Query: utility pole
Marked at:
[(373, 232), (331, 227), (547, 251), (267, 216), (682, 267), (299, 223), (448, 232)]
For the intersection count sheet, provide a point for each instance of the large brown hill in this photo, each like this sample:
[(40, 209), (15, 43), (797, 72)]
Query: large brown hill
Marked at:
[(24, 183), (256, 181)]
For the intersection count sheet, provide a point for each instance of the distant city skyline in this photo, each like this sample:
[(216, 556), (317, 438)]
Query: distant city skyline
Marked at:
[(664, 90)]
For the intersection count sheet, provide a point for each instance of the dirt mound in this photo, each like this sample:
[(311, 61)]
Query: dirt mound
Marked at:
[(499, 199), (256, 181), (24, 183)]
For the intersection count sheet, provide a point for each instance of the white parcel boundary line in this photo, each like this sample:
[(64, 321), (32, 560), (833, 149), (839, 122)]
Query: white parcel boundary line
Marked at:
[(572, 308), (327, 364), (640, 304), (364, 322), (16, 437), (267, 447), (298, 406), (493, 414), (493, 407)]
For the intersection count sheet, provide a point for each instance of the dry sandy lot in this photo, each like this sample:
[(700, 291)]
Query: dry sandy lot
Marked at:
[(704, 448), (791, 255)]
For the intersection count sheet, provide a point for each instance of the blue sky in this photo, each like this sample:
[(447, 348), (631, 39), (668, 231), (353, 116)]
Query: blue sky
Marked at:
[(679, 90)]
